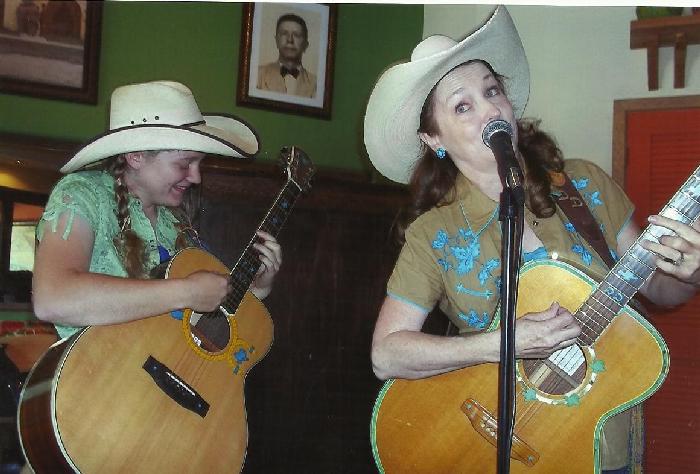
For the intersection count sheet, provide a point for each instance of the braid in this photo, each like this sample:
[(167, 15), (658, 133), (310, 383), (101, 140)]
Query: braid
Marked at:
[(129, 245)]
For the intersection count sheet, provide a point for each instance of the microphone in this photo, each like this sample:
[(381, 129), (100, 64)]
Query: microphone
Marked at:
[(497, 135)]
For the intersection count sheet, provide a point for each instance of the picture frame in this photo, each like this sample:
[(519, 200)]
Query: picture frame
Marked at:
[(50, 49), (260, 83)]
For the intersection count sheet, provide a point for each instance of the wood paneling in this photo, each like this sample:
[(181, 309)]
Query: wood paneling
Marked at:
[(310, 400)]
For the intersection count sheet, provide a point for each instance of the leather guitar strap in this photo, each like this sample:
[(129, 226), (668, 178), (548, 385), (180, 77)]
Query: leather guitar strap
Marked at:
[(575, 208)]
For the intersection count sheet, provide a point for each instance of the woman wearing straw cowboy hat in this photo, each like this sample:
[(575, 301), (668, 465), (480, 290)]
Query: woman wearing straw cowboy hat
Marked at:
[(103, 230), (423, 126)]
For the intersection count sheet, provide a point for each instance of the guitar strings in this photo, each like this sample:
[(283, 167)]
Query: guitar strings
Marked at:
[(592, 315), (246, 268)]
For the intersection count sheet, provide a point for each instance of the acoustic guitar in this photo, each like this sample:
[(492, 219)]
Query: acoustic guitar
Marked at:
[(160, 394), (447, 423)]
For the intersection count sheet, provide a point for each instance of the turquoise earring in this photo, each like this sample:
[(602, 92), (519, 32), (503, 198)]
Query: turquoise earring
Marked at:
[(441, 153)]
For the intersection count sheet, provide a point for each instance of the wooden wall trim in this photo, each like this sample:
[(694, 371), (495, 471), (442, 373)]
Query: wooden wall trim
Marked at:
[(40, 152), (620, 110), (334, 189)]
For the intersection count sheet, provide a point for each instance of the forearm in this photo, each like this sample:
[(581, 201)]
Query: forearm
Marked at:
[(82, 298), (667, 291), (413, 354)]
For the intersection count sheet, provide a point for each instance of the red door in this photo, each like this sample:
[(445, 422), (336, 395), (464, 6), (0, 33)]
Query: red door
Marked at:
[(663, 149)]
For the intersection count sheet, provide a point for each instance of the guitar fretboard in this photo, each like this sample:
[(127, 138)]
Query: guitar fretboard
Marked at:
[(244, 271), (635, 266)]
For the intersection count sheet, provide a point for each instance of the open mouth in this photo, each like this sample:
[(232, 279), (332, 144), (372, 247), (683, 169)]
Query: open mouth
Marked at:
[(180, 189)]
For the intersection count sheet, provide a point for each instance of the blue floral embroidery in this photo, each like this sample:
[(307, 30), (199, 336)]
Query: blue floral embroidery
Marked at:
[(460, 253), (540, 253), (593, 198), (585, 254), (483, 294), (473, 319), (580, 183), (570, 227), (441, 239), (465, 256), (486, 269)]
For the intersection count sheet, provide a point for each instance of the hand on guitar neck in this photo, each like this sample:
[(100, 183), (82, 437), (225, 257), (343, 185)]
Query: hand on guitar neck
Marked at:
[(270, 263)]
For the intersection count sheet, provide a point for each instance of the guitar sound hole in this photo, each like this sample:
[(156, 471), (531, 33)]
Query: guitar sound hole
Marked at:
[(211, 331), (559, 374)]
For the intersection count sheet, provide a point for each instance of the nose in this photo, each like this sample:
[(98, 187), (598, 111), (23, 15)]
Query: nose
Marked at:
[(194, 176), (491, 111)]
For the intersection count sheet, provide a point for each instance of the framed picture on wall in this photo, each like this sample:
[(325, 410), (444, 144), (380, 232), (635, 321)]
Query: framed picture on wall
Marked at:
[(286, 58), (50, 49)]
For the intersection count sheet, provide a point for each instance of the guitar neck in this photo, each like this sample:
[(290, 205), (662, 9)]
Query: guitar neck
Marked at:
[(245, 269), (635, 266)]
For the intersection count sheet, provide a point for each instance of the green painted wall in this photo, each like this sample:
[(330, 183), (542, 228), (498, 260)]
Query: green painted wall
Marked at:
[(197, 43)]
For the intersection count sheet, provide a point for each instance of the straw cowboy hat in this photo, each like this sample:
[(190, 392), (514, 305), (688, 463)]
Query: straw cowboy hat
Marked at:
[(163, 115), (393, 110)]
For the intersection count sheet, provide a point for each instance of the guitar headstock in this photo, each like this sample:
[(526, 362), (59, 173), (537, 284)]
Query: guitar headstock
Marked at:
[(298, 166)]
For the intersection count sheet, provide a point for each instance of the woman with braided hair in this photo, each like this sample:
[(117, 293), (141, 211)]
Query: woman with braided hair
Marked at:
[(115, 216)]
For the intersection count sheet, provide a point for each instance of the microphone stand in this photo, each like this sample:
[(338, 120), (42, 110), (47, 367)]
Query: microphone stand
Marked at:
[(511, 216)]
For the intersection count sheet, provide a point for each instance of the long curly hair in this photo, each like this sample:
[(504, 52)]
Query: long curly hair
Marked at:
[(433, 179)]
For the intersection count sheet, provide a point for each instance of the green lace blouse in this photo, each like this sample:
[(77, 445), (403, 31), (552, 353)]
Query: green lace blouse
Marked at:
[(90, 196)]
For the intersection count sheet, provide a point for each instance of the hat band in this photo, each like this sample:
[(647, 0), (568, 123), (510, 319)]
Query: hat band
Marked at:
[(201, 122), (162, 124)]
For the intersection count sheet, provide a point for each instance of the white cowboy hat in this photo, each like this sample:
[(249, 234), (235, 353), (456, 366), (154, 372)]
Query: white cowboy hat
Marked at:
[(394, 107), (163, 115)]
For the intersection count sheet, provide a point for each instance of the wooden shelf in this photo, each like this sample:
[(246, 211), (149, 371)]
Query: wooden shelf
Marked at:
[(653, 33)]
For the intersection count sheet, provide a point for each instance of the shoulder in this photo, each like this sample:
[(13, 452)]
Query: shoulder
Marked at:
[(269, 67), (85, 182), (583, 172), (426, 226), (310, 75), (579, 166), (88, 194)]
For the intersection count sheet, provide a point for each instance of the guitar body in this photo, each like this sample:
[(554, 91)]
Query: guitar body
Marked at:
[(447, 423), (91, 405)]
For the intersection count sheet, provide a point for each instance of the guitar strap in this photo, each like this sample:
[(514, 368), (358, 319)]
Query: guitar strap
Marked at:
[(575, 208)]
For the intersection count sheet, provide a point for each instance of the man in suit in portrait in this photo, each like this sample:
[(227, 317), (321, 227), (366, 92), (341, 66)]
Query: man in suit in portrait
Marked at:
[(287, 75)]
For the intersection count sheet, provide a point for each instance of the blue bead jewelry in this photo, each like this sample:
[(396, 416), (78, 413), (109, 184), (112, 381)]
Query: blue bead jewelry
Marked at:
[(441, 153)]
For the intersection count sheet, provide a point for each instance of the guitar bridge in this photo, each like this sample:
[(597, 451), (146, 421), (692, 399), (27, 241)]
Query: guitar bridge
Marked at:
[(487, 426), (174, 387)]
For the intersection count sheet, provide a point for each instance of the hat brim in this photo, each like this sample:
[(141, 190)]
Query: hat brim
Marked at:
[(218, 134), (393, 110)]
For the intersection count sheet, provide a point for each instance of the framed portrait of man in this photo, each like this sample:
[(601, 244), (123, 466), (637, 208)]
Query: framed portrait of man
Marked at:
[(286, 59), (50, 49)]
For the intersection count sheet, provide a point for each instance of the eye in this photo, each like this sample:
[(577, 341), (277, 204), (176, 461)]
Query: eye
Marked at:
[(493, 91), (462, 107)]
